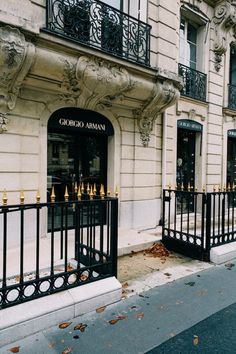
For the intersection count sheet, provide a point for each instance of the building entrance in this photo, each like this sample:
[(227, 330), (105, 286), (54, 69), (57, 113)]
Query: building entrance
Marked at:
[(77, 154), (231, 159), (186, 167)]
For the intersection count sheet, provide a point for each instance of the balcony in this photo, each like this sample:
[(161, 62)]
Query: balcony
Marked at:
[(194, 83), (100, 26), (232, 97)]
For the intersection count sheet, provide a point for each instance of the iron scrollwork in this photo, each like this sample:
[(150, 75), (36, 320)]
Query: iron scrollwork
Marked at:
[(194, 83), (99, 25)]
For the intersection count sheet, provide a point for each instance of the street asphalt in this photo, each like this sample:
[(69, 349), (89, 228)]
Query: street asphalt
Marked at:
[(195, 314)]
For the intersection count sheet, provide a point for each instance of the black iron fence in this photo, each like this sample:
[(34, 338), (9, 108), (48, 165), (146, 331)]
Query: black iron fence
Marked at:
[(194, 222), (63, 258), (232, 96), (194, 83), (101, 26)]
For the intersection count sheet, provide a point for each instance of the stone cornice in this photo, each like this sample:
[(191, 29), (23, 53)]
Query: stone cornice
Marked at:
[(224, 20)]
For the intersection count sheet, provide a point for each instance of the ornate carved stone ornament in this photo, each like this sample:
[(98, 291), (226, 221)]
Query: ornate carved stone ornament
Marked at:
[(224, 20), (3, 122), (164, 94), (16, 57), (93, 81)]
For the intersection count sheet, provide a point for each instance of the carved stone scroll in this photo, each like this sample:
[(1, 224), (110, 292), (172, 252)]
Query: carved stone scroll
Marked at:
[(224, 20), (164, 94), (16, 57), (100, 80)]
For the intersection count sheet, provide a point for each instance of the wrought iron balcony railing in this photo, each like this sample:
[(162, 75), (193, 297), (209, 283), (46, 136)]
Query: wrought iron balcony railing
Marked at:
[(101, 26), (194, 83), (232, 96)]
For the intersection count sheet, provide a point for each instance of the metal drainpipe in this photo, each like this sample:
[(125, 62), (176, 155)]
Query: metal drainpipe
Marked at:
[(164, 146)]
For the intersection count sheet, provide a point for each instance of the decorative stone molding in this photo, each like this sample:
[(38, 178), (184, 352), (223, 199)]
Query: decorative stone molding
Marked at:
[(224, 20), (16, 58), (164, 94), (3, 122), (100, 81)]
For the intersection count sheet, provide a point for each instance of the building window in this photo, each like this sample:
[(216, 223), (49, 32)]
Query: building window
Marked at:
[(188, 43), (232, 79)]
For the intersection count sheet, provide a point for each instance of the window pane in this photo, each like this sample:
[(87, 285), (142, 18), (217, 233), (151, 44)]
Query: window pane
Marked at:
[(114, 3), (192, 34)]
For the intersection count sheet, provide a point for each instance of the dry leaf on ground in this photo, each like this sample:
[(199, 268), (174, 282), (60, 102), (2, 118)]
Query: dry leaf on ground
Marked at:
[(14, 349), (158, 250), (100, 309), (195, 340), (80, 327), (64, 325), (139, 315), (113, 321), (125, 285), (67, 351)]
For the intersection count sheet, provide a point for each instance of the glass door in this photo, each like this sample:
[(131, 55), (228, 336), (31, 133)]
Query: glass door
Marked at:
[(72, 160), (186, 166)]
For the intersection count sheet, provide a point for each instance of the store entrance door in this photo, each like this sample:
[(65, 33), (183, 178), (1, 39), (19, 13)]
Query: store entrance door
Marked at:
[(77, 155), (186, 165)]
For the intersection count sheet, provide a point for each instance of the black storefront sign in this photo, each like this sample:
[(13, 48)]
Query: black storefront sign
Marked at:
[(232, 133), (190, 125), (75, 120)]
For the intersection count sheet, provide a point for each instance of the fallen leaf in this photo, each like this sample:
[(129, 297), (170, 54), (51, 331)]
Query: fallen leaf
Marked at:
[(14, 349), (80, 327), (229, 266), (168, 274), (125, 285), (139, 315), (178, 302), (76, 337), (114, 321), (69, 267), (172, 334), (100, 309), (64, 325), (121, 317), (191, 283), (83, 277), (67, 351), (51, 345), (195, 340)]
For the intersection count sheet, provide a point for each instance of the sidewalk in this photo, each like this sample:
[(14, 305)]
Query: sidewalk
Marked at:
[(141, 322)]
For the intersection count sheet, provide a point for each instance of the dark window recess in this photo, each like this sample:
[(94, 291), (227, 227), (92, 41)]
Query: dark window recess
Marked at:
[(76, 21), (111, 38)]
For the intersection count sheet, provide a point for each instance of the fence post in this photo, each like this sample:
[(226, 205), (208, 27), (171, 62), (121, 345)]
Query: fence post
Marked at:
[(114, 235), (208, 223)]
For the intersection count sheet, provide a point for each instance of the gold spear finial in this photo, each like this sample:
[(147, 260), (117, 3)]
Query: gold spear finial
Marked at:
[(224, 188), (214, 188), (229, 188), (189, 187), (53, 196), (108, 192), (116, 192), (4, 197), (94, 189), (88, 188), (37, 197), (182, 186), (66, 195), (22, 197), (219, 188), (204, 188), (169, 185), (233, 187), (91, 193), (82, 187), (76, 187), (102, 193), (79, 194)]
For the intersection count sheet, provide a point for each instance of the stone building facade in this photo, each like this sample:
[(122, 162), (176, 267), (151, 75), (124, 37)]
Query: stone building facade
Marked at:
[(135, 109)]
